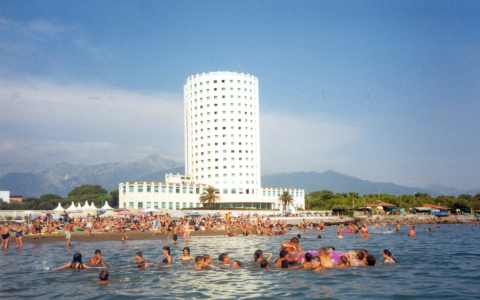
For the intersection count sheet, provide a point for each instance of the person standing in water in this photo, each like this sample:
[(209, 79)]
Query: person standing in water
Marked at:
[(97, 259), (89, 224), (364, 231), (68, 231), (19, 235), (398, 227), (412, 232), (186, 230), (38, 229), (5, 232)]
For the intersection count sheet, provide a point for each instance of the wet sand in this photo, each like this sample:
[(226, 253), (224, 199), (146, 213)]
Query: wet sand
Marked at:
[(108, 236)]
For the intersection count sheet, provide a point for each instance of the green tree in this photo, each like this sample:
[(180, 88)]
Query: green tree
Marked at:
[(115, 198), (50, 197), (285, 199), (87, 189), (209, 197)]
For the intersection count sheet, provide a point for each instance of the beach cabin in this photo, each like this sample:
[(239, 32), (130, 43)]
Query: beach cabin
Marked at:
[(379, 207), (437, 210)]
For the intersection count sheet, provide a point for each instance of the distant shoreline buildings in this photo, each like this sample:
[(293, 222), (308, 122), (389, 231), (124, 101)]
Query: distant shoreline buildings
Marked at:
[(222, 150)]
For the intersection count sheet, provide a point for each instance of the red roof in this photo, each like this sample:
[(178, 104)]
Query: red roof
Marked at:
[(380, 204), (434, 206)]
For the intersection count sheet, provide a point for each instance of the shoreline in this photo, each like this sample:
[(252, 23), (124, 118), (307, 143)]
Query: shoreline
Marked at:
[(138, 235)]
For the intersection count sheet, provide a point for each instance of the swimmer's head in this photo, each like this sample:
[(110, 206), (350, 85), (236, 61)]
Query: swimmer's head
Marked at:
[(104, 275), (264, 264), (285, 264), (319, 236), (295, 240), (322, 251), (308, 257), (207, 258), (236, 264), (370, 260), (186, 251), (364, 224), (138, 254), (412, 227), (299, 236), (77, 257), (167, 249), (199, 259), (331, 248), (224, 257), (98, 252), (283, 253), (257, 254)]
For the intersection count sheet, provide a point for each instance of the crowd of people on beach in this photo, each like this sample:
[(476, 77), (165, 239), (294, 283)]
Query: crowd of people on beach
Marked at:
[(162, 224)]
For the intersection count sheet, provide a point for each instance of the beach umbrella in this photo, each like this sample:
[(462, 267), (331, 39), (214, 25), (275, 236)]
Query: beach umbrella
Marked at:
[(177, 214), (151, 210), (93, 206), (28, 212), (233, 216), (55, 216), (35, 216), (125, 213), (47, 212), (59, 208), (106, 206), (86, 206), (72, 207), (216, 215)]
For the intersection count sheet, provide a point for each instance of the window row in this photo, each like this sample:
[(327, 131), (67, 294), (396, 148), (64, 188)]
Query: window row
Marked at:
[(224, 81)]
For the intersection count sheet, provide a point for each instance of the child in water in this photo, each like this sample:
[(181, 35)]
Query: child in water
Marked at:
[(186, 255), (224, 259), (199, 263)]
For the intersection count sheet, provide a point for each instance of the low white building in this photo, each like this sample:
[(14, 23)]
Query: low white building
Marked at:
[(179, 191), (5, 196)]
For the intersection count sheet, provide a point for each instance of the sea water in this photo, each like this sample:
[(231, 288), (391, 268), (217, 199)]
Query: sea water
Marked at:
[(444, 263)]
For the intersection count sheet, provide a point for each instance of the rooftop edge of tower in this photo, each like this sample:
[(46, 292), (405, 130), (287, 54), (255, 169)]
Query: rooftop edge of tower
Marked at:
[(222, 73)]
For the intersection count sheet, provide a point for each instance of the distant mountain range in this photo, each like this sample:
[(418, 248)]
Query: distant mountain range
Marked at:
[(34, 180)]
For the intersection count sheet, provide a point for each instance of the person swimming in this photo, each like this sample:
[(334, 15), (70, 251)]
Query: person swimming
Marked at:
[(292, 246), (77, 264), (224, 259), (199, 262), (167, 258), (186, 255), (258, 256), (388, 257)]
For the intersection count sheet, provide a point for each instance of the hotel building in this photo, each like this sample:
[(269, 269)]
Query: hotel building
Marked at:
[(222, 150)]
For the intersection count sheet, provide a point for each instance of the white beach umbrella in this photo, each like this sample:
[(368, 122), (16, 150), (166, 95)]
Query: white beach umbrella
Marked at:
[(93, 206), (28, 212), (72, 207), (174, 214), (59, 208), (86, 206), (79, 206), (106, 206)]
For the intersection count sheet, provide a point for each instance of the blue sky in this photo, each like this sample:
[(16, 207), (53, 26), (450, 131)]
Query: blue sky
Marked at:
[(381, 90)]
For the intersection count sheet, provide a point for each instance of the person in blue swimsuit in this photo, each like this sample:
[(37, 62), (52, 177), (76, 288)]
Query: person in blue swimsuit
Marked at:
[(19, 235), (167, 258)]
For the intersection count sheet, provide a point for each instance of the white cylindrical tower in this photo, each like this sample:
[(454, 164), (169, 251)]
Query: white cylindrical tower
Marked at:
[(222, 134)]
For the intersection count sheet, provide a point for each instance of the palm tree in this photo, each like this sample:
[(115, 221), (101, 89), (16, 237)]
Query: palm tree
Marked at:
[(285, 198), (209, 197)]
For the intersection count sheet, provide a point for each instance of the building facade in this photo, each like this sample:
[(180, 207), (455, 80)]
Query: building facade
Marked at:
[(222, 149)]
